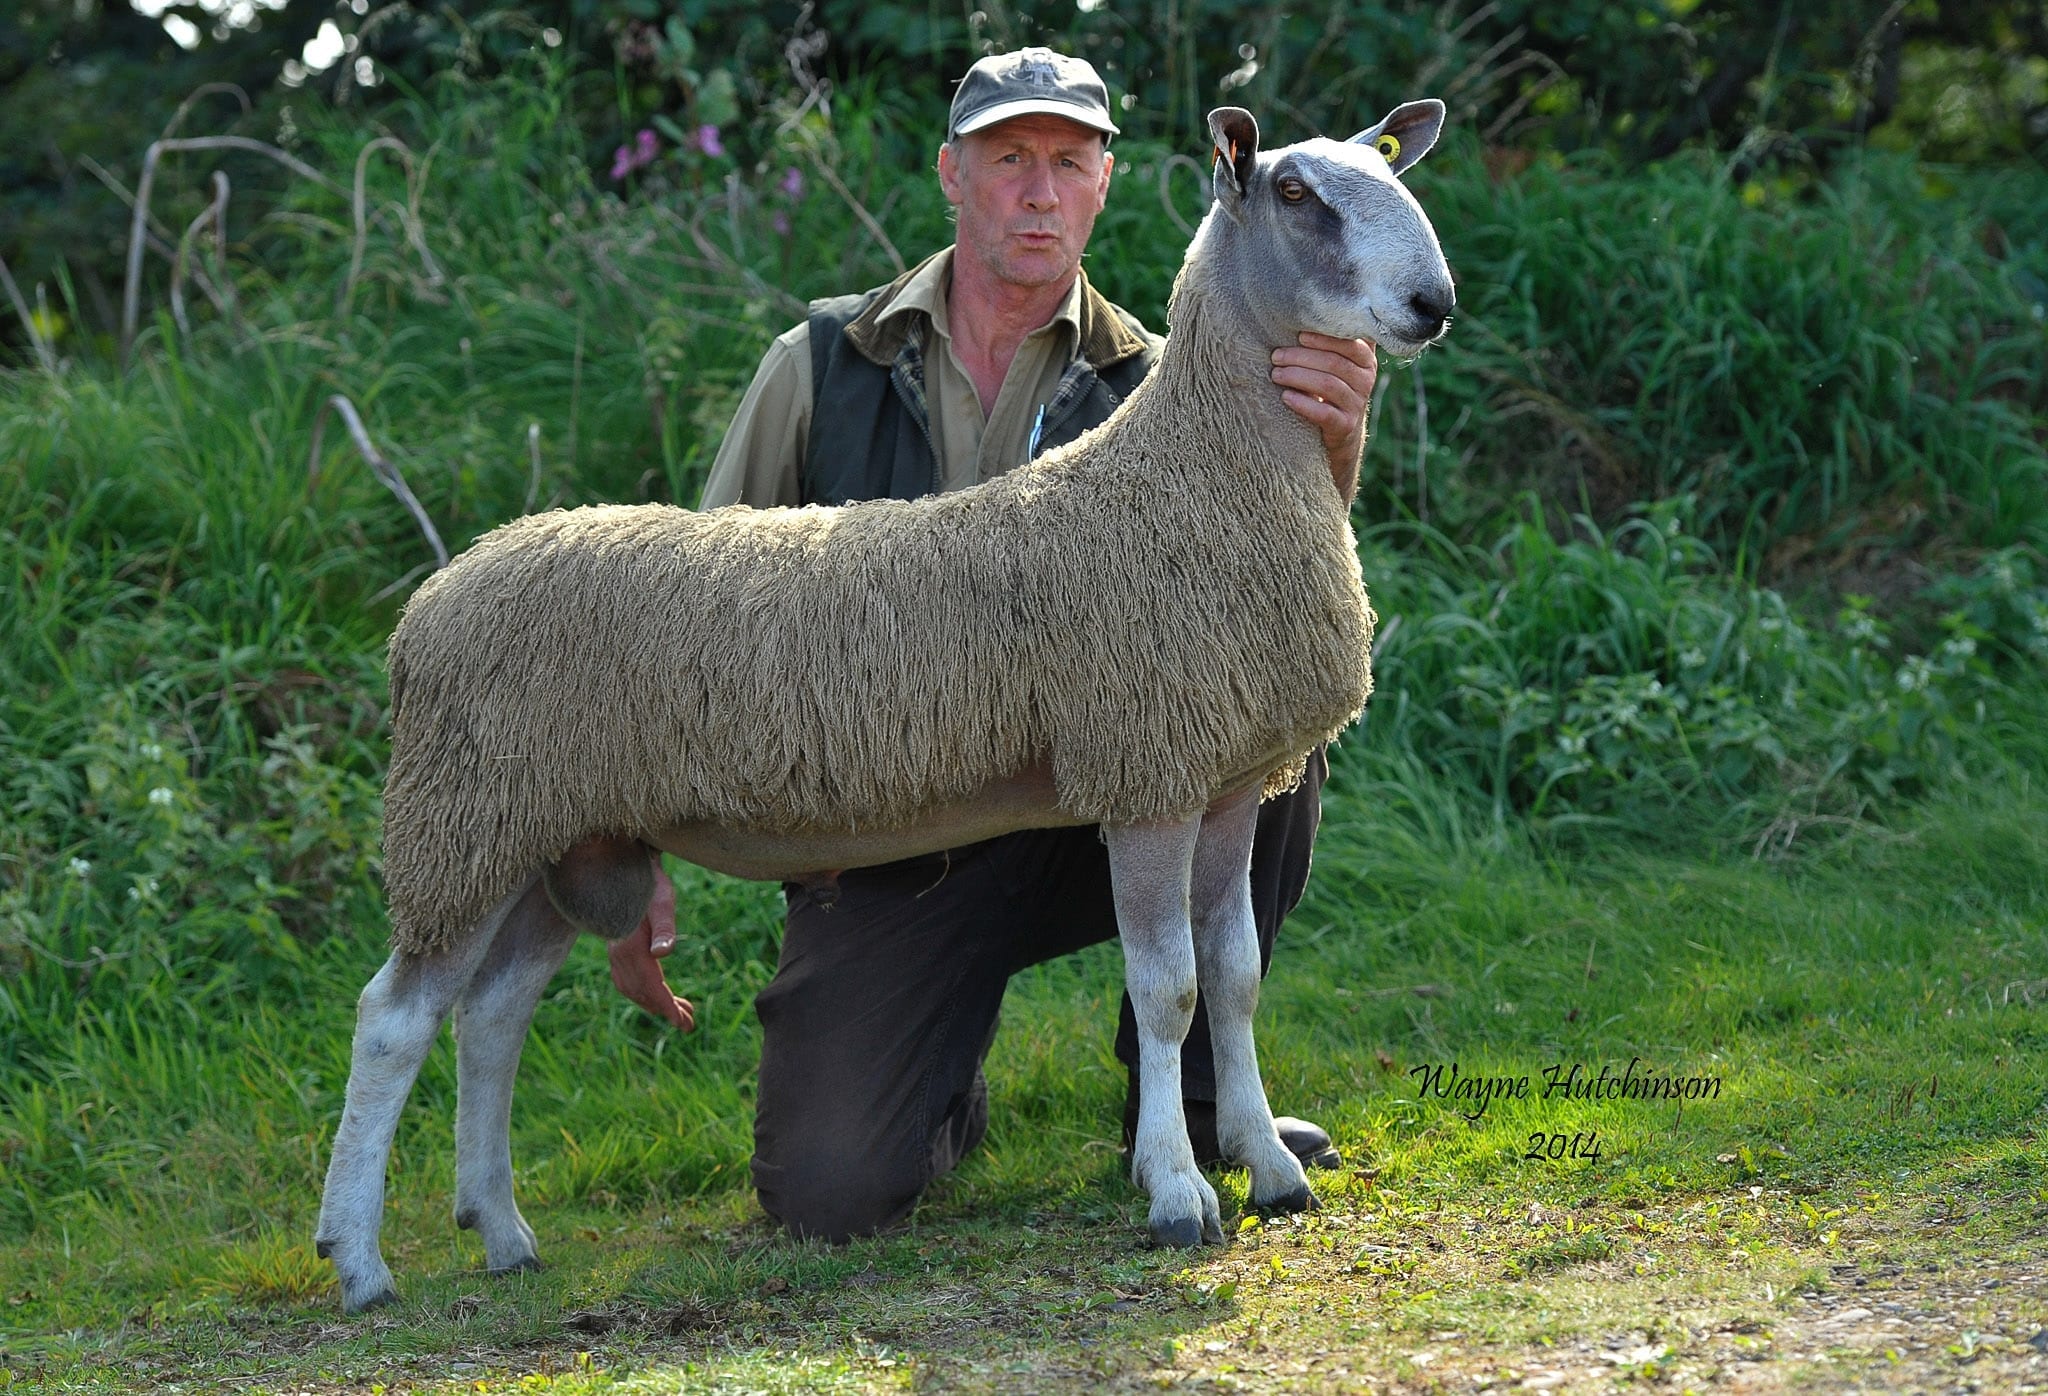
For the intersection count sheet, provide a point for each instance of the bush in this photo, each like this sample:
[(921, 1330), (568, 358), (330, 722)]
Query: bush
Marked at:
[(1818, 366), (1623, 677)]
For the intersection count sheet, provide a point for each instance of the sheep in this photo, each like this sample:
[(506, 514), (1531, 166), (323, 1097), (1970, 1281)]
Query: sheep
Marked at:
[(1143, 630)]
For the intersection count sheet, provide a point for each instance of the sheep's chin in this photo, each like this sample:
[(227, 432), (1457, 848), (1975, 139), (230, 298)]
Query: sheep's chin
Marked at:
[(1385, 337), (1392, 342)]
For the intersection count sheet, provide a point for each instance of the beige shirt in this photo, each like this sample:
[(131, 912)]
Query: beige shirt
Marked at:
[(761, 460)]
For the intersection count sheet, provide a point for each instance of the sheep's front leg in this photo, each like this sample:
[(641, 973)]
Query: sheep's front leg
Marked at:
[(491, 1023), (1227, 960), (1149, 867), (397, 1019)]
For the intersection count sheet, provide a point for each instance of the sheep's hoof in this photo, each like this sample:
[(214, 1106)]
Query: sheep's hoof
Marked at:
[(1300, 1199), (1181, 1234), (519, 1267), (382, 1297)]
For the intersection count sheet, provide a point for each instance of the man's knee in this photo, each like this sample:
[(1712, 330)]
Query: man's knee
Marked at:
[(830, 1197)]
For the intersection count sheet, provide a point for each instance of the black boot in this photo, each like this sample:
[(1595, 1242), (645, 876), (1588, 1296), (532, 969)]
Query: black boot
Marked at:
[(1306, 1140)]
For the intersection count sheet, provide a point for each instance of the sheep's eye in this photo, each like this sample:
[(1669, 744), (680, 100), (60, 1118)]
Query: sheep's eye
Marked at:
[(1389, 146), (1293, 190)]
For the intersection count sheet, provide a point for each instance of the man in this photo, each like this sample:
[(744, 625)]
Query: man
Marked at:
[(886, 998)]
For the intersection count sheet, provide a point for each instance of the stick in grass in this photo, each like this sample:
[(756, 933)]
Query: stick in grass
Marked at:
[(155, 237), (131, 293), (28, 321), (217, 212), (393, 478), (408, 217)]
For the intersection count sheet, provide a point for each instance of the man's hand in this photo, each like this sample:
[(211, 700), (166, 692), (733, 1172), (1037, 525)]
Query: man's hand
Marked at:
[(636, 957), (1328, 384)]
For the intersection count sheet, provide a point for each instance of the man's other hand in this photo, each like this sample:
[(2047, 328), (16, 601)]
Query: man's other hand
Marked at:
[(636, 956), (1328, 384)]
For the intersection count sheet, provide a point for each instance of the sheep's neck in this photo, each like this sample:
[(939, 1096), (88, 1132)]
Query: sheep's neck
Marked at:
[(1215, 378)]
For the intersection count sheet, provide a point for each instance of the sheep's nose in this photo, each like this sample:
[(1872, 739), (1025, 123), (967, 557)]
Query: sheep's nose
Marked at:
[(1433, 307)]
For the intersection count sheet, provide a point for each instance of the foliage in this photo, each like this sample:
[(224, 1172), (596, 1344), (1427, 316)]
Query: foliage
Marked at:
[(1609, 676), (1789, 86), (1791, 357)]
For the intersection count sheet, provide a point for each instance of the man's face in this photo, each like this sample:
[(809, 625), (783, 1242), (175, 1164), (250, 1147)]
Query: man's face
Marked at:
[(1027, 191)]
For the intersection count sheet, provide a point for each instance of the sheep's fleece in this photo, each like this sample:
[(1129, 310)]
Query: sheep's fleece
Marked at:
[(625, 669)]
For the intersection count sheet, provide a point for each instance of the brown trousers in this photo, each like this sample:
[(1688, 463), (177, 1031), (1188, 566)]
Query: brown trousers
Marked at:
[(886, 999)]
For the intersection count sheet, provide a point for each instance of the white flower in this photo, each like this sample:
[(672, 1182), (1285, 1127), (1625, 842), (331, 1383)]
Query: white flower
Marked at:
[(161, 795), (1571, 743), (1959, 647), (1914, 674), (80, 868), (152, 751)]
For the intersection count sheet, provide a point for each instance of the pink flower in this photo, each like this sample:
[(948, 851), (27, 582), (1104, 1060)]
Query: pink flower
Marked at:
[(780, 222), (640, 154), (707, 140), (793, 182)]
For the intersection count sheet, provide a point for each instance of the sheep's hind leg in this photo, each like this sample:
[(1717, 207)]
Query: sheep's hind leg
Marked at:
[(397, 1019), (491, 1023), (1227, 960), (1149, 867)]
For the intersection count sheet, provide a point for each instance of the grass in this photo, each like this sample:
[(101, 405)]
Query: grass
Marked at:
[(1873, 1016), (1682, 755)]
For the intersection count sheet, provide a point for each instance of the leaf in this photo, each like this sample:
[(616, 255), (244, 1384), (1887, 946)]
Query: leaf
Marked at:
[(718, 101), (680, 46)]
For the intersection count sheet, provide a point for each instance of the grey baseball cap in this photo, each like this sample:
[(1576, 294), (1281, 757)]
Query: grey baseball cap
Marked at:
[(1028, 82)]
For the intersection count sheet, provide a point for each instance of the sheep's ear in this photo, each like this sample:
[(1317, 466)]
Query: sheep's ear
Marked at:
[(1237, 148), (1406, 133)]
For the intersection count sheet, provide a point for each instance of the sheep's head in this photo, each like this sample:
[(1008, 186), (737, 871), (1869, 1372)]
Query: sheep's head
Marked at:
[(1324, 236)]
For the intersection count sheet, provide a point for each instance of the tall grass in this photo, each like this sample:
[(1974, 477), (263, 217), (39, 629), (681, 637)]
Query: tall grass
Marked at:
[(1813, 365), (1615, 677)]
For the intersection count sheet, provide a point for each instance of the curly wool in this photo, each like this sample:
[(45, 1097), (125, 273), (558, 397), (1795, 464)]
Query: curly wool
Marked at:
[(1164, 606)]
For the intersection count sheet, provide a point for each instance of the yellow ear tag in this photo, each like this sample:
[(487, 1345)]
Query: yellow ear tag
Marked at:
[(1389, 146)]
